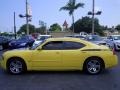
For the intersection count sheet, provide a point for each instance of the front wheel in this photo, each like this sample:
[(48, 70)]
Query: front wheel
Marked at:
[(93, 66), (16, 66)]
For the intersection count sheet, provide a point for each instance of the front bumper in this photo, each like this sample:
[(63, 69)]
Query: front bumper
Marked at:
[(2, 64)]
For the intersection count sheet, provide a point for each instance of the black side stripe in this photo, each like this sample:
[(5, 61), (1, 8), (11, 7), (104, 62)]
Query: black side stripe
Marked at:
[(92, 50)]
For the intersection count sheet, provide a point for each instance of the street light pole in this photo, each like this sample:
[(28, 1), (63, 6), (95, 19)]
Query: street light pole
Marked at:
[(27, 24), (27, 16), (14, 26), (93, 14)]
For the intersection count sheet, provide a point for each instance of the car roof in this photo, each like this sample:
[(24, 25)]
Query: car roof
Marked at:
[(114, 35), (44, 35), (72, 40), (63, 39), (92, 35), (68, 39)]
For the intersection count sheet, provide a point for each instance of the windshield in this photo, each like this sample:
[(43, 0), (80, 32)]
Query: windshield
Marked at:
[(23, 38), (42, 37), (94, 38), (36, 45), (116, 37)]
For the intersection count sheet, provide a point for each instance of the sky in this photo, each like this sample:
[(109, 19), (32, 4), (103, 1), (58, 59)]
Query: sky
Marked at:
[(48, 11)]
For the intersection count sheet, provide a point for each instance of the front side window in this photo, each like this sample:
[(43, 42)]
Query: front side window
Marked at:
[(53, 45), (94, 38), (116, 37), (110, 37)]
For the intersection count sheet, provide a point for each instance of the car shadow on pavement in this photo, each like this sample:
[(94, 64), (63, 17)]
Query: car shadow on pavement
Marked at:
[(80, 73)]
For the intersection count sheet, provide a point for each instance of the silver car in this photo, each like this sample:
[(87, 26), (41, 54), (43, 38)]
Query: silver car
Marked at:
[(96, 39), (113, 41)]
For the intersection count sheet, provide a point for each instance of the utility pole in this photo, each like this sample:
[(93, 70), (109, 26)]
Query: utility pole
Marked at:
[(14, 26), (93, 14), (27, 16), (27, 24)]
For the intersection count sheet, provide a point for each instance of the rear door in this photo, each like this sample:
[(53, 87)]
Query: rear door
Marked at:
[(72, 57)]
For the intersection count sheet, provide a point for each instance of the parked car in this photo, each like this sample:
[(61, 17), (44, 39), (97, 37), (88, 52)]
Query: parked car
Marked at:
[(24, 41), (113, 41), (60, 54), (76, 36), (4, 42), (79, 36), (96, 39), (40, 39)]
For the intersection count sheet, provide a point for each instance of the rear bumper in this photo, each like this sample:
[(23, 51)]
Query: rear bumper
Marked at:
[(112, 61)]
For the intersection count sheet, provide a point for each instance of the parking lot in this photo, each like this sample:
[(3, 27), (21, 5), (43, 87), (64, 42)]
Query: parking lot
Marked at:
[(70, 80)]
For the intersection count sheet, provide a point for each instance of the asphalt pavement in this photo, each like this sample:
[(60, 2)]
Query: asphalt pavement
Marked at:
[(70, 80)]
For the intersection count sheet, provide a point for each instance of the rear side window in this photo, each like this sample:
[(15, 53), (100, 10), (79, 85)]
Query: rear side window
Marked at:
[(68, 45)]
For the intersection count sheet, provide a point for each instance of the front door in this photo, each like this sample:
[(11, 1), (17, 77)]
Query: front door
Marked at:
[(49, 57)]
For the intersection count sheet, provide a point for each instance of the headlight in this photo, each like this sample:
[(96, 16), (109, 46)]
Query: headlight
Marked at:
[(23, 44)]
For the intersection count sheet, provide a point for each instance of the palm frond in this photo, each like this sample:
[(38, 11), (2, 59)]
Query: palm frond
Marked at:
[(65, 8), (71, 6), (79, 5)]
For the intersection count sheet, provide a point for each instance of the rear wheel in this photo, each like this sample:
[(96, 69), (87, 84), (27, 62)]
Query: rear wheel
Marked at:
[(93, 66), (16, 66)]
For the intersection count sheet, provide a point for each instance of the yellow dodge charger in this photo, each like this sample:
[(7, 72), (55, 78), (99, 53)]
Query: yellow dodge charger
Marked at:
[(56, 54)]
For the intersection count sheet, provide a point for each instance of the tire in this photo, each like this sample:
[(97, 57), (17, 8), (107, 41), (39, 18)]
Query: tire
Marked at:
[(16, 66), (93, 66)]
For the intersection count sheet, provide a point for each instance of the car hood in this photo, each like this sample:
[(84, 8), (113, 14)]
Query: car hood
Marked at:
[(18, 53), (18, 41), (117, 41), (98, 42)]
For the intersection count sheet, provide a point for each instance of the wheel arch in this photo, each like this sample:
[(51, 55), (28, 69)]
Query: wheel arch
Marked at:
[(103, 63), (9, 59)]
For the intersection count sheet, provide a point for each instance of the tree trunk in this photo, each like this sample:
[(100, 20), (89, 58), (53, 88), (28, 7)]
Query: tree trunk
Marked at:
[(73, 22)]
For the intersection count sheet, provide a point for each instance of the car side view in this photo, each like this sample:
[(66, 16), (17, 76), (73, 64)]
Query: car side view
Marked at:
[(113, 41), (56, 54), (95, 39)]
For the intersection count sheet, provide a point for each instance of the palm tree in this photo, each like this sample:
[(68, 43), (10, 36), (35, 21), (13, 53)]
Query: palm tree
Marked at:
[(71, 6)]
